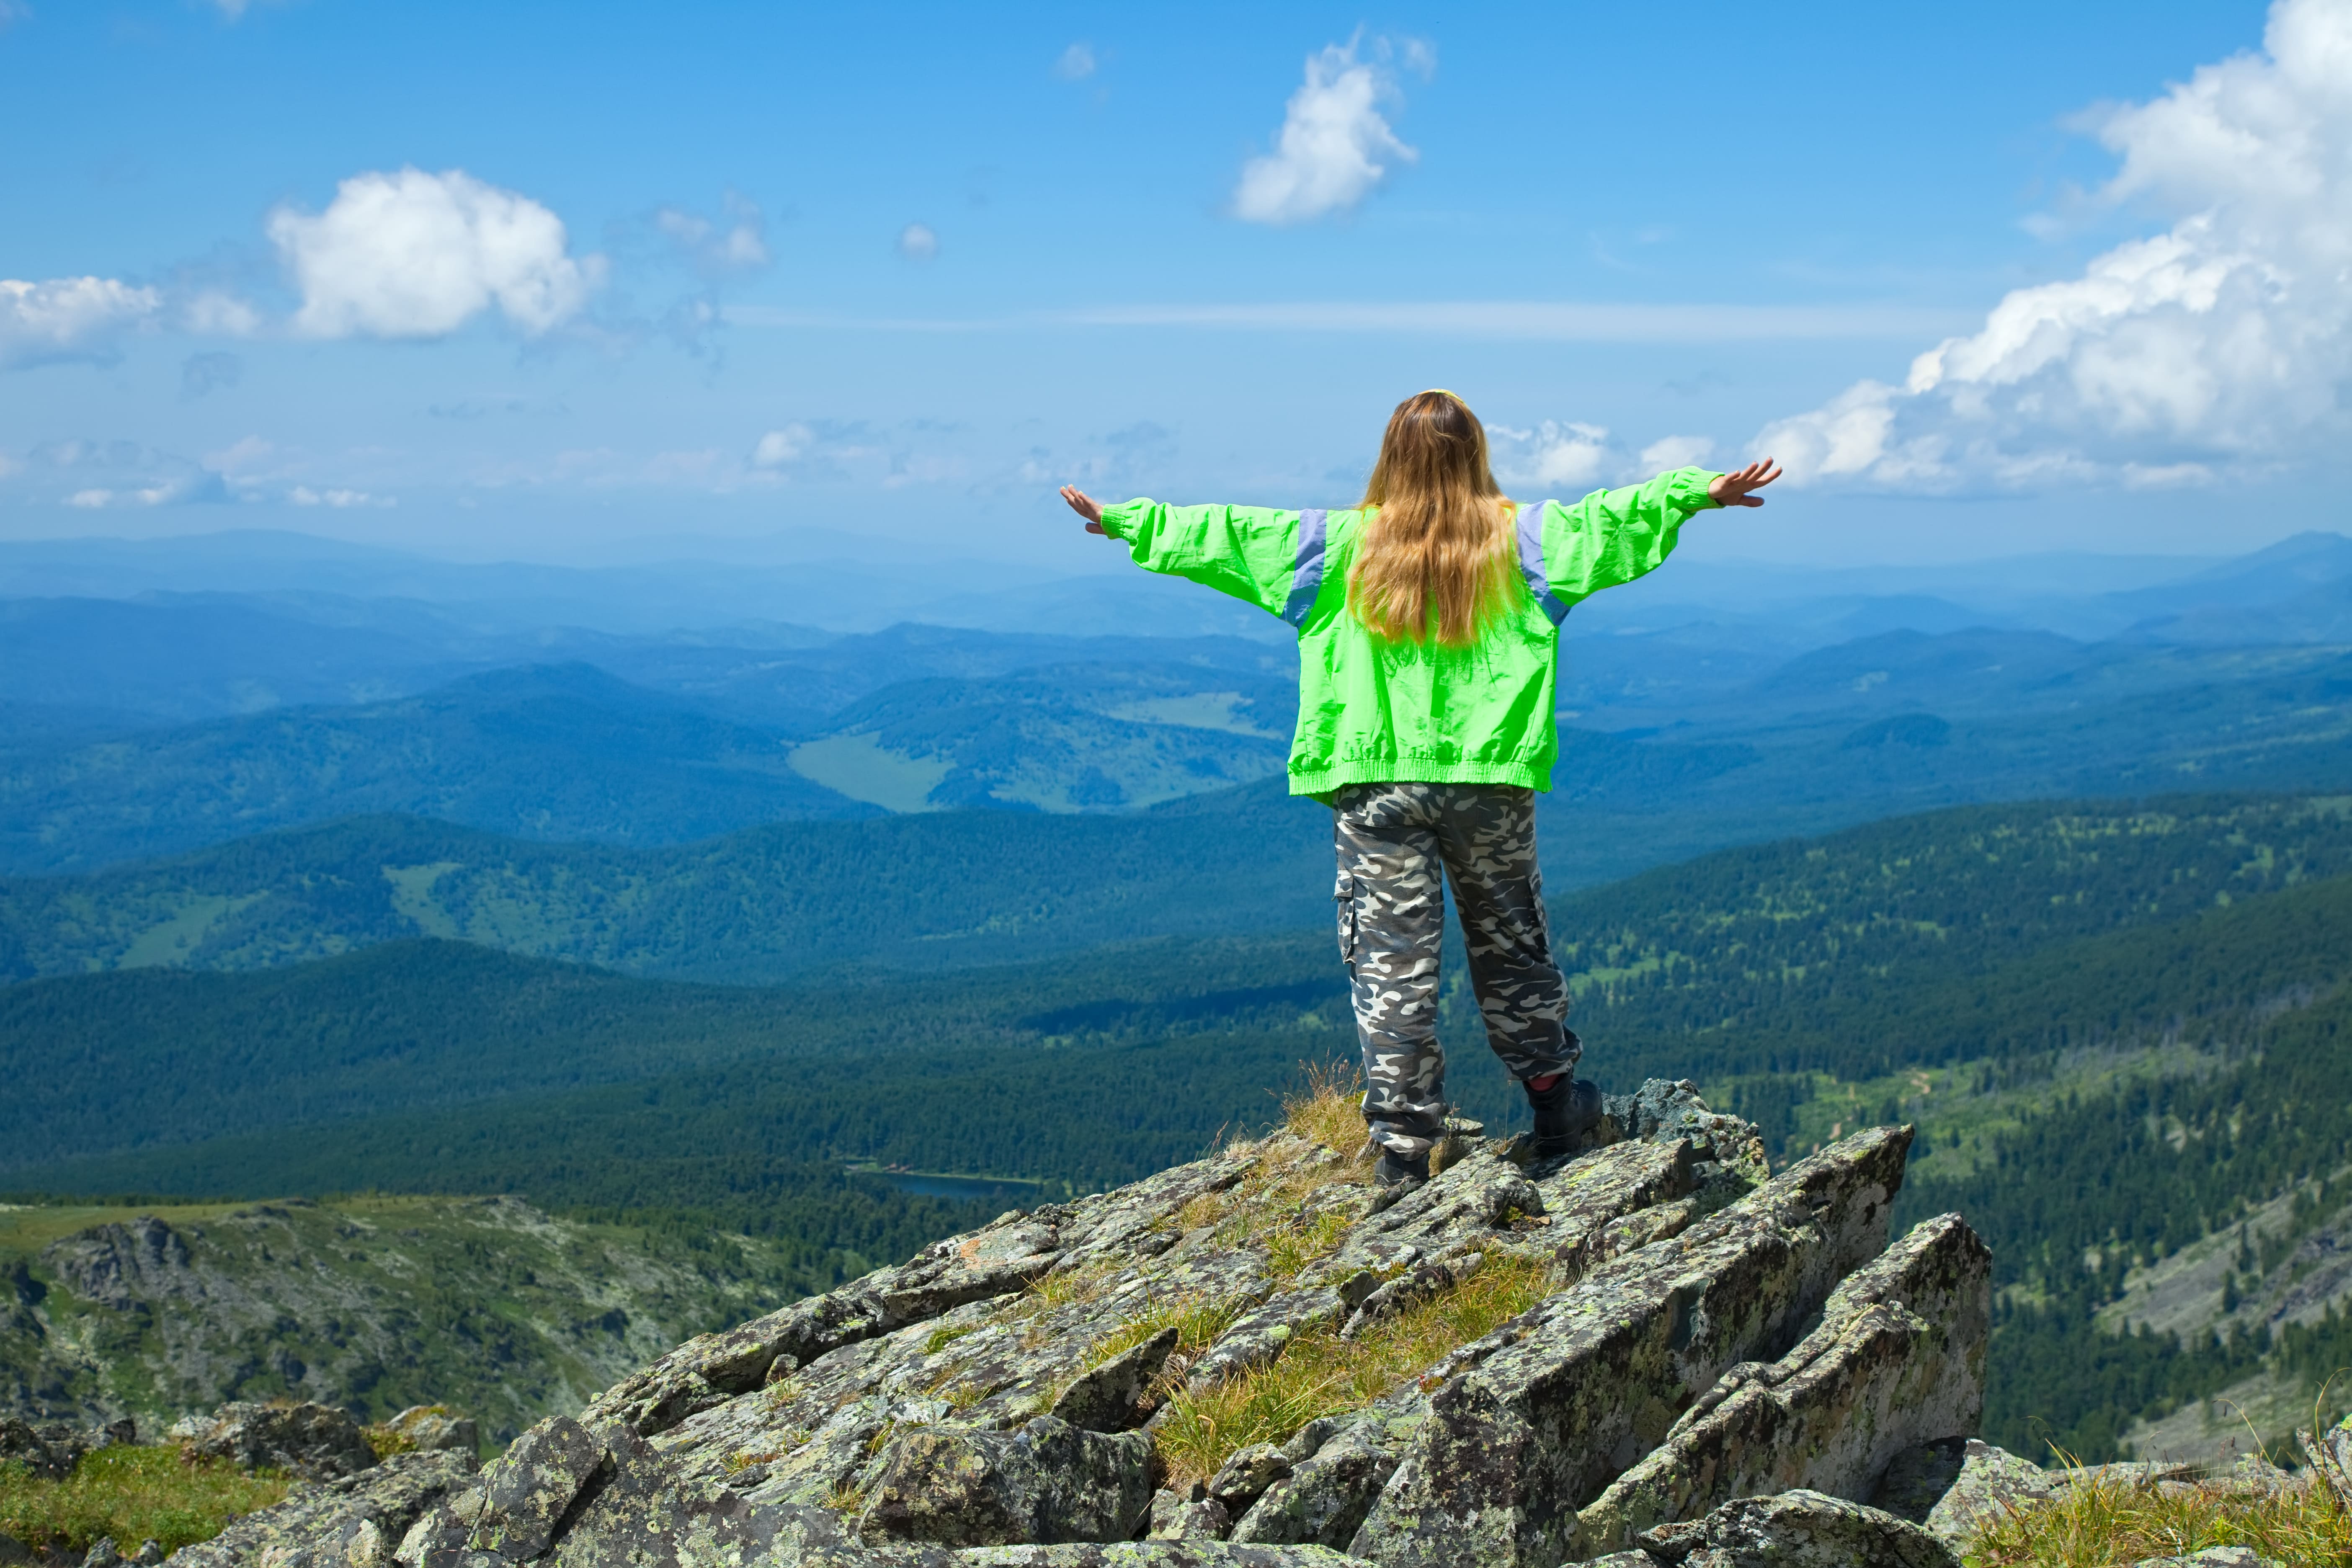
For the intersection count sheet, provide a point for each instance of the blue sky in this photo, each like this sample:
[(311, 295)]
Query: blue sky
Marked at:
[(592, 282)]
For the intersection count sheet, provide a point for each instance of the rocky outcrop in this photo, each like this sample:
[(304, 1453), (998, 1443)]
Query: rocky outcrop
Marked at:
[(312, 1441), (353, 1522), (50, 1449), (1261, 1359)]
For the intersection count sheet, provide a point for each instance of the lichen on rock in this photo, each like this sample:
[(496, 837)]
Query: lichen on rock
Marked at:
[(1261, 1360)]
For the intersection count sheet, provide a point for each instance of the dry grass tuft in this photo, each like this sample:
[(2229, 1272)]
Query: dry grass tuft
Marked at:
[(1331, 1109), (2096, 1523), (1320, 1373), (132, 1494)]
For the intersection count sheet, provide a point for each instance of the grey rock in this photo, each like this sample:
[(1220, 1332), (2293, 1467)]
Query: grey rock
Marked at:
[(2212, 1557), (13, 1551), (352, 1522), (1048, 1482), (431, 1427), (1898, 1359), (1243, 1477), (1991, 1482), (1706, 1331), (102, 1555), (1637, 1558), (150, 1552), (1595, 1377), (313, 1441), (637, 1512), (47, 1450), (1110, 1397), (1324, 1500), (1798, 1530), (1175, 1517), (530, 1488)]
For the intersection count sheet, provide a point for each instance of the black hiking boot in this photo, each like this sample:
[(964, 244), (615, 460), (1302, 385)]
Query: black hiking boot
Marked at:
[(1396, 1170), (1565, 1112)]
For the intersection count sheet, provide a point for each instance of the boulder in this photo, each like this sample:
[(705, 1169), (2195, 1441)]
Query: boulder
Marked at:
[(1798, 1530), (2212, 1557), (1990, 1482), (432, 1427), (1898, 1359), (351, 1521), (49, 1451), (1044, 1483), (313, 1441), (1595, 1378)]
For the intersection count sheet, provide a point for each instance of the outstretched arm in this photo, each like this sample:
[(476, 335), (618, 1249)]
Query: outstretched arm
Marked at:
[(1251, 552)]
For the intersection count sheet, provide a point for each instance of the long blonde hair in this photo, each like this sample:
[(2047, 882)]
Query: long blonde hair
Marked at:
[(1437, 538)]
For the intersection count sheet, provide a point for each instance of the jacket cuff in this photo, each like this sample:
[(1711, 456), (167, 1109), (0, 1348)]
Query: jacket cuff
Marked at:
[(1693, 484), (1116, 520)]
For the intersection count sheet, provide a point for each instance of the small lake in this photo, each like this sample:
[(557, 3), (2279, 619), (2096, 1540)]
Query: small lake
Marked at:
[(930, 1184)]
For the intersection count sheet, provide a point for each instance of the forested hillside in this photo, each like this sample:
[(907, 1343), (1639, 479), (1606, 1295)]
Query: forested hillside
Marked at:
[(2118, 1026)]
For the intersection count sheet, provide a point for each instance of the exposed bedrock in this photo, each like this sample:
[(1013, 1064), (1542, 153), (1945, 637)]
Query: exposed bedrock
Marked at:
[(1260, 1360)]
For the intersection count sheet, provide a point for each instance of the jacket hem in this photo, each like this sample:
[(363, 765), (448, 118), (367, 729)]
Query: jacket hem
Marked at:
[(1322, 782)]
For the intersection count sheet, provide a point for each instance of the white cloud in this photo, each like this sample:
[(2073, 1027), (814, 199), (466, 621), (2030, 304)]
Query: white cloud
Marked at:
[(69, 318), (1674, 452), (215, 314), (1328, 154), (1076, 63), (303, 495), (778, 447), (917, 243), (2224, 341), (413, 255), (1565, 454), (736, 242), (90, 500)]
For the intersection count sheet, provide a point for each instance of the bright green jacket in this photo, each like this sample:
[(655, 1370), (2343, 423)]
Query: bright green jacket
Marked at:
[(1371, 710)]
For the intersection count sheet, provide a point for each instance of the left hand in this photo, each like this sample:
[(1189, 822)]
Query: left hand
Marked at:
[(1086, 506), (1732, 490)]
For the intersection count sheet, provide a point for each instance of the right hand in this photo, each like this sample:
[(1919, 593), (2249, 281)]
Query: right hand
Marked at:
[(1086, 506)]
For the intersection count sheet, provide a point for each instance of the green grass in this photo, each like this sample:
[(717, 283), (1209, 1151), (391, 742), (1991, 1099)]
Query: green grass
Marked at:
[(1320, 1373), (2097, 1523), (132, 1495)]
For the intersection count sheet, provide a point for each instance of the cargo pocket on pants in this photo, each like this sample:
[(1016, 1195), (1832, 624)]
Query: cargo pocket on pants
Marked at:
[(1343, 894)]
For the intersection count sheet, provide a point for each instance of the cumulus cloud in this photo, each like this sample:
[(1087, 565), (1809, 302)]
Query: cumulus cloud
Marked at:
[(69, 318), (779, 449), (1076, 63), (1674, 452), (1336, 143), (917, 243), (1565, 454), (413, 255), (2220, 342), (1566, 458)]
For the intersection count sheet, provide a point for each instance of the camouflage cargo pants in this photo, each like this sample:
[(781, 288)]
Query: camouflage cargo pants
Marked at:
[(1396, 844)]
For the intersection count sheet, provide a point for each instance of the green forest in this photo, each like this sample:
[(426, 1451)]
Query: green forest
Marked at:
[(2120, 1028)]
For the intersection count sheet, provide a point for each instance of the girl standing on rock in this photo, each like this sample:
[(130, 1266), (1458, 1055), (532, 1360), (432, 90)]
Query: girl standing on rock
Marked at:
[(1428, 622)]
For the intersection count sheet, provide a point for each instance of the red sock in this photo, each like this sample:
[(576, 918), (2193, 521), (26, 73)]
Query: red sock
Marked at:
[(1543, 1085)]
